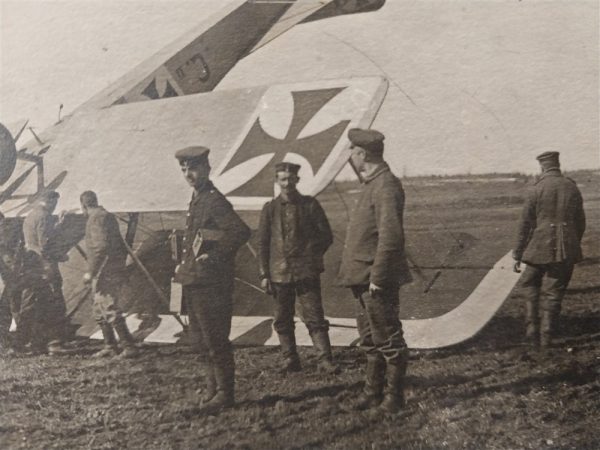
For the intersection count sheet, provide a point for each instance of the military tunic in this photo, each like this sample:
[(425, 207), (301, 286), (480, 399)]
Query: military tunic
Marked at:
[(293, 236), (106, 256), (549, 241), (374, 253)]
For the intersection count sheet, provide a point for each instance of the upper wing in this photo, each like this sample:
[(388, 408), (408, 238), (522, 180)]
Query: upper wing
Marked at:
[(125, 153)]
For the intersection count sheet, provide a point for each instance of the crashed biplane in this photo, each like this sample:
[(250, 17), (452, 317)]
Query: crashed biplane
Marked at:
[(121, 142)]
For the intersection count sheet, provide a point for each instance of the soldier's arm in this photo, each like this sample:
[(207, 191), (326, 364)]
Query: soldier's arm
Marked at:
[(526, 225), (388, 207), (264, 241), (580, 218), (96, 240), (323, 229), (235, 232)]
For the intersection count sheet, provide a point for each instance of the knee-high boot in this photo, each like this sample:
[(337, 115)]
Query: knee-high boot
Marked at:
[(393, 400), (372, 393), (110, 342), (290, 353), (323, 347), (126, 339)]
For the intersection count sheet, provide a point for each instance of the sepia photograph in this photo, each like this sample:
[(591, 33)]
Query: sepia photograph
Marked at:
[(300, 224)]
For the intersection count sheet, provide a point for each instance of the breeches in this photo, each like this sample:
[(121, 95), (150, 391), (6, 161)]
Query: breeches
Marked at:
[(210, 309), (310, 306), (379, 327), (106, 301), (41, 315), (557, 277)]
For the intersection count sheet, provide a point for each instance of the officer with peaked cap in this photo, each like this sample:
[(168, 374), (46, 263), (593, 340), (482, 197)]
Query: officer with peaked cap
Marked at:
[(374, 266), (548, 240), (293, 236), (213, 235)]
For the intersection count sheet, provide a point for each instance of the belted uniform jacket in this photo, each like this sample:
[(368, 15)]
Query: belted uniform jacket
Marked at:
[(298, 255), (552, 222), (374, 246), (212, 228), (106, 252)]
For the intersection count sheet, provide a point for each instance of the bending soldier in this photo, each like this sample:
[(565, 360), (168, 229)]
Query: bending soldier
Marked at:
[(548, 240), (374, 266), (106, 256), (42, 316), (214, 233), (293, 236)]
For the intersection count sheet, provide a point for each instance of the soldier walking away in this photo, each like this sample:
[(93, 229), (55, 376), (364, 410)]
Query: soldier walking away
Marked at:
[(374, 266), (42, 317), (213, 235), (293, 236), (106, 256), (549, 241)]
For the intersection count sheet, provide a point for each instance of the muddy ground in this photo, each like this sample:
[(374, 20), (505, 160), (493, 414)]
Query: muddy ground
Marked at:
[(491, 392)]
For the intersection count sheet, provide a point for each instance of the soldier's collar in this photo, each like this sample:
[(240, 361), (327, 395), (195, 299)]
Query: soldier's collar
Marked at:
[(294, 197), (381, 168), (552, 172)]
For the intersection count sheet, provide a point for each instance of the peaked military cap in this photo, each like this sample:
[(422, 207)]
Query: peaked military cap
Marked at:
[(196, 153), (547, 155), (287, 167), (548, 159), (370, 140)]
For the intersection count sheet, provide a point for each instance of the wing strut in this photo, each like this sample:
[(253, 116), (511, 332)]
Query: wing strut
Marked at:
[(131, 226)]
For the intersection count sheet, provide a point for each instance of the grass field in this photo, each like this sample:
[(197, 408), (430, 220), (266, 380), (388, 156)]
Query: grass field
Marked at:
[(490, 392)]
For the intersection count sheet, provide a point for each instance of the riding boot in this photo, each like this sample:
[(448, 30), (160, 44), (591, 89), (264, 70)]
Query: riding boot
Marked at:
[(372, 393), (224, 371), (126, 339), (323, 346), (209, 389), (548, 326), (393, 401), (110, 342), (532, 320), (290, 353)]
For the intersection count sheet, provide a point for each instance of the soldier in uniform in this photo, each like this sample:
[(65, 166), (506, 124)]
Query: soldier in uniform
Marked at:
[(293, 236), (43, 318), (106, 256), (374, 266), (548, 240), (10, 244), (214, 233)]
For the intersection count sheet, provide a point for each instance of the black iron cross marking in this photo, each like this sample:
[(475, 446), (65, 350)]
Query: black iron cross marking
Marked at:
[(314, 148)]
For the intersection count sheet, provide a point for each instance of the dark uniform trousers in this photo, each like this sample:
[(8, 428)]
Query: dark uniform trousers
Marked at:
[(42, 309), (379, 327), (210, 309), (557, 279), (310, 306)]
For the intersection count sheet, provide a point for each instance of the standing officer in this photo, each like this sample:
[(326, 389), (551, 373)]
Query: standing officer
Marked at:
[(106, 255), (293, 235), (214, 233), (548, 240), (374, 266), (42, 303)]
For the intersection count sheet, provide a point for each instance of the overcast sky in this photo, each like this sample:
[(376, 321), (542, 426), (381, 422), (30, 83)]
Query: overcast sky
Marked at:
[(474, 86)]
